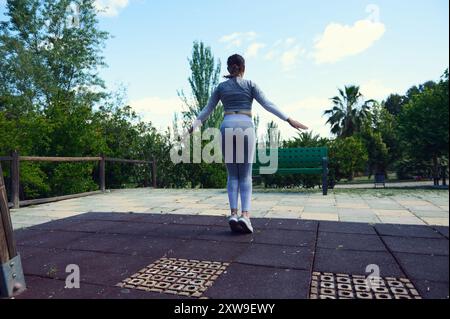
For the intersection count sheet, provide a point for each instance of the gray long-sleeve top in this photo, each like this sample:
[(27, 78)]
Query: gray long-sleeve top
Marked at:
[(237, 94)]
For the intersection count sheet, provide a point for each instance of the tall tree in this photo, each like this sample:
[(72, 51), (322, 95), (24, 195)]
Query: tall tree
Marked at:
[(394, 103), (381, 139), (347, 157), (50, 53), (273, 134), (424, 124), (348, 111), (204, 78), (205, 74)]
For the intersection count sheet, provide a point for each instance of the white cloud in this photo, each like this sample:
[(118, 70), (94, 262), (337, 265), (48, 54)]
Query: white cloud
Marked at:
[(290, 41), (253, 49), (110, 8), (375, 89), (290, 57), (158, 110), (339, 41), (270, 55), (236, 39), (287, 52)]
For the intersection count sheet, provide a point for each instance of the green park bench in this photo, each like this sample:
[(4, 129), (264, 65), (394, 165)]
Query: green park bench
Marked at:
[(311, 161)]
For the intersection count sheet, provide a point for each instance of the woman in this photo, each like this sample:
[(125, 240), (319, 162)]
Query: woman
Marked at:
[(237, 95)]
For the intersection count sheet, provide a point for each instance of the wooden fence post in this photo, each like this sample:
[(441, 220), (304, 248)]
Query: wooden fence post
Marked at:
[(154, 173), (12, 279), (102, 173), (15, 179)]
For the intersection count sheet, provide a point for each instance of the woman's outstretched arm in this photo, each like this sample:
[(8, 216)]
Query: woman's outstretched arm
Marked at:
[(206, 112), (272, 108)]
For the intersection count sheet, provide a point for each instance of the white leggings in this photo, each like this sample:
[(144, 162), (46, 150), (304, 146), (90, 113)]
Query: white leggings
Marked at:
[(238, 148)]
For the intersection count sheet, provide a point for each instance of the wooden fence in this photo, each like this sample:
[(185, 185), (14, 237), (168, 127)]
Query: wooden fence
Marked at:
[(15, 160)]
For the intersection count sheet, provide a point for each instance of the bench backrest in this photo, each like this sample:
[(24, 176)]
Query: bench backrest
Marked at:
[(306, 157)]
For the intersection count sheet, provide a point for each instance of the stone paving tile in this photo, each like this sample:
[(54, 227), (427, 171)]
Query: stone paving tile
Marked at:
[(291, 203), (352, 205), (61, 214), (426, 209), (17, 226), (16, 218), (320, 205), (317, 216), (320, 210), (157, 210), (258, 204), (198, 206), (281, 214), (370, 218), (389, 206), (430, 208), (356, 212), (436, 221), (412, 203), (259, 214), (185, 211), (218, 212), (401, 220), (287, 209), (392, 213), (427, 214)]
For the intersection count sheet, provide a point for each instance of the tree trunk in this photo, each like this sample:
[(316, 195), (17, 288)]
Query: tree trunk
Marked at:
[(435, 170)]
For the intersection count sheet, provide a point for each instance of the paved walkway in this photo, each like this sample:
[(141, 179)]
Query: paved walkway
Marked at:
[(415, 184), (184, 256), (414, 207)]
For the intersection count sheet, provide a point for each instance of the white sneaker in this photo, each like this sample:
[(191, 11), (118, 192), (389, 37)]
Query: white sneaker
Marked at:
[(246, 225), (234, 224)]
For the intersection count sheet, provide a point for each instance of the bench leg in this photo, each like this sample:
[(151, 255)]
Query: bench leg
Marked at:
[(325, 176)]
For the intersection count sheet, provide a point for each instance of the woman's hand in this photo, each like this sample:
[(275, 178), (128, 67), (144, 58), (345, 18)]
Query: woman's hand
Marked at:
[(297, 125)]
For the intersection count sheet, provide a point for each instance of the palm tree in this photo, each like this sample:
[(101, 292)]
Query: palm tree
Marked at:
[(306, 139), (348, 112)]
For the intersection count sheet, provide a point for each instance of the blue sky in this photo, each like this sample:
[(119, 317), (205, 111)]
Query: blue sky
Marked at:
[(299, 52)]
